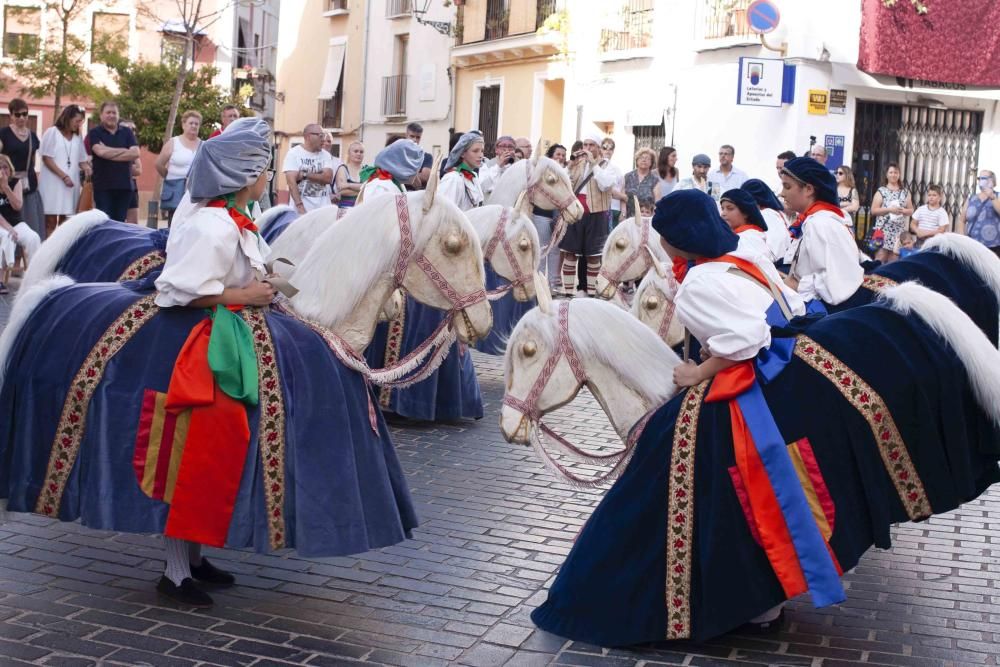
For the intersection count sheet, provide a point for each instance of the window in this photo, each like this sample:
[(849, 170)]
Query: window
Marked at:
[(331, 110), (631, 27), (336, 5), (394, 8), (172, 49), (725, 18), (22, 29), (649, 136), (497, 18), (489, 116), (331, 92), (108, 36)]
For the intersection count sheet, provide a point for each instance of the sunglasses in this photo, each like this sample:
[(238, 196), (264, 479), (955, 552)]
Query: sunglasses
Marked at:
[(20, 114), (840, 173)]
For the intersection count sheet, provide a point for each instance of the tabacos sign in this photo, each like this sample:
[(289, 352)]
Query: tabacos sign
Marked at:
[(903, 82)]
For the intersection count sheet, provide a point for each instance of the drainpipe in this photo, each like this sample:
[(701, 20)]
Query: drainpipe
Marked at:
[(364, 71)]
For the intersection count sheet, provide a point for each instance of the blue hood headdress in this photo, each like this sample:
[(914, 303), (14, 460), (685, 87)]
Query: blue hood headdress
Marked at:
[(689, 220), (747, 205), (762, 194), (230, 161)]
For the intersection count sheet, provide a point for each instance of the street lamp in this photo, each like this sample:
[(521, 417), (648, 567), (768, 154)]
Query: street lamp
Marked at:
[(419, 10)]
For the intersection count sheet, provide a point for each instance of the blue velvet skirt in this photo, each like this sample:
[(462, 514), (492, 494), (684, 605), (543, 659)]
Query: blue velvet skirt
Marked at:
[(109, 249), (507, 312), (343, 490), (277, 226), (450, 393), (619, 584)]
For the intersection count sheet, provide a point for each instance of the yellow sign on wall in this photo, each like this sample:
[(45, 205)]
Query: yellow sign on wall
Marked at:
[(819, 102)]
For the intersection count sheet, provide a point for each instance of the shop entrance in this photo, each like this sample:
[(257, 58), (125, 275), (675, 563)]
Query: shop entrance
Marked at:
[(930, 145)]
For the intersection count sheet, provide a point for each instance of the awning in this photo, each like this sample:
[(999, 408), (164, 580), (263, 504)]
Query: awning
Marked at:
[(334, 67), (644, 116), (177, 26), (849, 75)]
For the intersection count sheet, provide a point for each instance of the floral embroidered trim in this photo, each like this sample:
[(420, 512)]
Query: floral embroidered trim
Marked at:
[(680, 515), (142, 266), (875, 283), (393, 346), (271, 431), (73, 420), (872, 407)]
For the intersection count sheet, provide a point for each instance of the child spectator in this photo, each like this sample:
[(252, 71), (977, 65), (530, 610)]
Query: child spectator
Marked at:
[(930, 219), (907, 243)]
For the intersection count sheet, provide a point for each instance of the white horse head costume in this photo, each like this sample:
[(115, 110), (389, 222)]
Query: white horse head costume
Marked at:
[(631, 249), (653, 305), (416, 241), (558, 348), (510, 244), (546, 184)]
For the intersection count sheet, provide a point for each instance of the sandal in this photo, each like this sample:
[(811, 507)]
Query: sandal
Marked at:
[(3, 289)]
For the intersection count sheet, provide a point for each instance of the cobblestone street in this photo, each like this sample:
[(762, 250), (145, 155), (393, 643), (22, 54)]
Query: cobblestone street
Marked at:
[(495, 526)]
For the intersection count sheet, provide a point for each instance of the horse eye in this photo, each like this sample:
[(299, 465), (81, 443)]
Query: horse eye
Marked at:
[(550, 178), (621, 243), (529, 349)]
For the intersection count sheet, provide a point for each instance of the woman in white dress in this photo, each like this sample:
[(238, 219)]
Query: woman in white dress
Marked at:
[(63, 157), (174, 162)]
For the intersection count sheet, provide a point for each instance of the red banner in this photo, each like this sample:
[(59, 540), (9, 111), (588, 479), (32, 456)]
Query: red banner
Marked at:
[(956, 41)]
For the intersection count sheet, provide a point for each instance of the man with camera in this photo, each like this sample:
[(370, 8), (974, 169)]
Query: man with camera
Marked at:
[(593, 182), (494, 168)]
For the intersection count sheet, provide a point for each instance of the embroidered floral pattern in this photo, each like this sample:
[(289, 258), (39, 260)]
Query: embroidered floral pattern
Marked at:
[(271, 431), (73, 420), (393, 346), (680, 515), (142, 266), (875, 283), (873, 408)]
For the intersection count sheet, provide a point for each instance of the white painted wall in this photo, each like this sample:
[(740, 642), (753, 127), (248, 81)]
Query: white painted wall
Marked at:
[(819, 36), (428, 52)]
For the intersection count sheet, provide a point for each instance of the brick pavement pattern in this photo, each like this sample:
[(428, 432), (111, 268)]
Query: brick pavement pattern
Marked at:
[(495, 527)]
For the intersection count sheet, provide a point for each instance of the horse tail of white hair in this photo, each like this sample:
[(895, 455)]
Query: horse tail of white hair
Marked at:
[(27, 300), (43, 264), (272, 214), (977, 354), (980, 259)]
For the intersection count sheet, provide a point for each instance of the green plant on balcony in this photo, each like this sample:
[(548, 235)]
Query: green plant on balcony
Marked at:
[(558, 23)]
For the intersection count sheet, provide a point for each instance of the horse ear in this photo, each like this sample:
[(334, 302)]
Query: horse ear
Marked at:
[(538, 148), (519, 205), (657, 264), (432, 184), (543, 293), (638, 213), (537, 154)]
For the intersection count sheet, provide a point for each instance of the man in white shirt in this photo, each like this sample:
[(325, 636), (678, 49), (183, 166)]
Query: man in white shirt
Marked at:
[(930, 219), (727, 176), (493, 169), (618, 191), (308, 171)]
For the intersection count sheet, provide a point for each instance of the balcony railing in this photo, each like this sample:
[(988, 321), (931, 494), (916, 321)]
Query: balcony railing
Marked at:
[(543, 10), (497, 19), (634, 28), (394, 8), (394, 95), (726, 18)]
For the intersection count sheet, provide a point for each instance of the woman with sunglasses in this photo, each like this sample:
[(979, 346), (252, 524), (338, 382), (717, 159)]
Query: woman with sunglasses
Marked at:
[(20, 144), (982, 213), (847, 194), (63, 157)]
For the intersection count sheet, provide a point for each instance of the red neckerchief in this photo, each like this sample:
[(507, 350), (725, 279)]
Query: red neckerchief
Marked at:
[(746, 228), (680, 269), (795, 229), (380, 174), (746, 265), (241, 220)]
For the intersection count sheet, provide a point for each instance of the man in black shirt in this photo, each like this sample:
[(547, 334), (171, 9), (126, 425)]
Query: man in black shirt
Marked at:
[(113, 148)]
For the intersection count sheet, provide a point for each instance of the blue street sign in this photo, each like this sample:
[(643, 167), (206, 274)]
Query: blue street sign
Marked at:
[(762, 16)]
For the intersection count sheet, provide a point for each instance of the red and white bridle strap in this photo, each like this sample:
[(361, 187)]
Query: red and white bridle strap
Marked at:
[(407, 250), (564, 347), (640, 250), (500, 239)]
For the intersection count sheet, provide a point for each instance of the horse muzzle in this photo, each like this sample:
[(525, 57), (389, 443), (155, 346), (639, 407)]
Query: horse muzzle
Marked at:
[(514, 426), (473, 323), (573, 212), (605, 288)]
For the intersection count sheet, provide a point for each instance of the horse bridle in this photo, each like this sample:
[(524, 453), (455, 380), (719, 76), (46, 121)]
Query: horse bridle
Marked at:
[(528, 407), (408, 251), (642, 249), (537, 184), (499, 238)]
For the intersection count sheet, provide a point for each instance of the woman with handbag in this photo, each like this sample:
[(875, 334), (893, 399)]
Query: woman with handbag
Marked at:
[(20, 144), (63, 158), (174, 162), (893, 207)]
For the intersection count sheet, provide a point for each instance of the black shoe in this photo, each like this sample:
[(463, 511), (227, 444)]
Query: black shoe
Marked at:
[(207, 573), (187, 594), (766, 628)]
